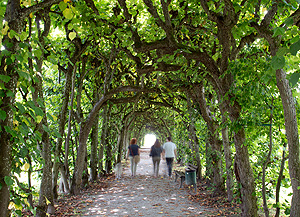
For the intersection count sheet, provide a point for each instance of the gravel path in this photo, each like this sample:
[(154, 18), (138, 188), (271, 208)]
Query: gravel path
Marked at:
[(144, 195)]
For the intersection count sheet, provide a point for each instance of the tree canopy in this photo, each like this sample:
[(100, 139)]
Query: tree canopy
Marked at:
[(79, 79)]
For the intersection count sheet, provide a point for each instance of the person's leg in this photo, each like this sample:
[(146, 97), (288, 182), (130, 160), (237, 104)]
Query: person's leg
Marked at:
[(134, 168), (154, 163), (157, 167), (131, 164), (171, 166), (168, 160)]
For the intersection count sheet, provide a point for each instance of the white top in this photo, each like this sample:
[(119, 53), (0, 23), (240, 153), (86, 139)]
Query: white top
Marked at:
[(169, 148)]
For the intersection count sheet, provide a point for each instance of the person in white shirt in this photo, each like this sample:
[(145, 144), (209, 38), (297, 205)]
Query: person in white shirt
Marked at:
[(169, 150)]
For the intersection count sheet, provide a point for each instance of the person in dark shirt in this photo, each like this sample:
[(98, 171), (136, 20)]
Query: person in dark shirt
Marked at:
[(134, 155), (155, 153)]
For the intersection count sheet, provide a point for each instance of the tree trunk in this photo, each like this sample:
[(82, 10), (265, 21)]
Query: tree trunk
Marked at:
[(64, 179), (7, 101), (61, 128), (109, 160), (249, 201), (215, 144), (94, 148), (120, 144), (81, 153), (66, 171), (5, 162), (194, 139), (280, 175), (227, 154), (46, 203), (209, 168), (103, 139), (85, 175), (291, 128), (195, 144), (108, 148), (29, 198), (265, 164), (228, 161), (85, 129), (63, 113)]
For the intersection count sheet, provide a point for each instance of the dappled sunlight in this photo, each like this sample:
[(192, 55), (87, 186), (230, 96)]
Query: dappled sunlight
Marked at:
[(141, 200), (143, 195)]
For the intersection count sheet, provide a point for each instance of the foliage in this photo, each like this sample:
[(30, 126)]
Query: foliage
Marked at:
[(109, 48)]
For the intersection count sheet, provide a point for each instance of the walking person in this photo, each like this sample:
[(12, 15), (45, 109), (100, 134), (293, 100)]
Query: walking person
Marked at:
[(134, 155), (156, 152), (169, 150)]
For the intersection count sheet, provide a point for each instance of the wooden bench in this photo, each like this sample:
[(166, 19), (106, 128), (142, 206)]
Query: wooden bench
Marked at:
[(180, 172)]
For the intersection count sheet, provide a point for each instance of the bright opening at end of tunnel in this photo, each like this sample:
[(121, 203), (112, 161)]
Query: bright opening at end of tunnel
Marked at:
[(149, 140)]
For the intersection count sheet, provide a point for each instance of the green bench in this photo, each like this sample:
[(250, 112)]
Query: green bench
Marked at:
[(189, 173)]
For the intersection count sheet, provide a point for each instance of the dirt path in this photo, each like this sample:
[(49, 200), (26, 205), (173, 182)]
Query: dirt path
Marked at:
[(144, 195)]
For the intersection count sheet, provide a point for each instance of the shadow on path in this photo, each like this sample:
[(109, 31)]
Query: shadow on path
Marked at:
[(144, 195)]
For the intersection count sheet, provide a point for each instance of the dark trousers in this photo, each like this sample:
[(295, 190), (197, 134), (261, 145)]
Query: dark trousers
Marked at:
[(169, 164)]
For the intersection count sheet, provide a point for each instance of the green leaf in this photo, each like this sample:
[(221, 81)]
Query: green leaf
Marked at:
[(24, 152), (24, 75), (38, 136), (278, 31), (55, 67), (23, 36), (72, 35), (39, 119), (38, 111), (278, 62), (57, 133), (19, 58), (2, 115), (9, 93), (2, 12), (62, 5), (40, 102), (289, 21), (32, 89), (46, 128), (68, 13), (294, 79), (4, 78), (282, 51), (6, 52), (8, 180), (50, 117), (38, 53), (70, 26), (2, 93), (8, 61), (0, 186), (20, 107), (295, 48), (13, 33)]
